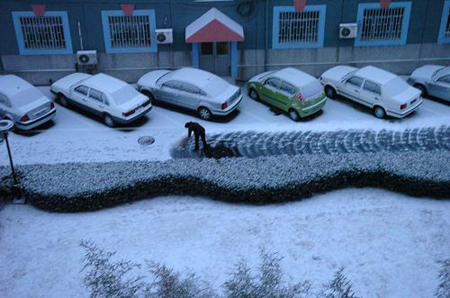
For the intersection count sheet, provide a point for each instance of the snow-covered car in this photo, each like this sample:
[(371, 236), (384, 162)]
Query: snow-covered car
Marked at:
[(384, 92), (112, 99), (432, 80), (291, 90), (23, 103), (195, 89)]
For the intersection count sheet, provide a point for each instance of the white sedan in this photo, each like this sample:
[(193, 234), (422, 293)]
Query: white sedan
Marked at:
[(192, 88), (23, 103), (384, 92), (110, 98), (432, 80)]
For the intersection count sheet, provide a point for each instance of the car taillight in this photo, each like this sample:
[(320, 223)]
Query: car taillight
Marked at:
[(129, 113), (147, 103), (403, 106), (300, 98), (224, 105), (24, 118)]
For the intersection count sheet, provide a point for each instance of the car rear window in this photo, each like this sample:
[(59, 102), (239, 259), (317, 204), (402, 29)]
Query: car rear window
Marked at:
[(25, 97), (124, 94), (395, 86), (216, 86), (311, 89)]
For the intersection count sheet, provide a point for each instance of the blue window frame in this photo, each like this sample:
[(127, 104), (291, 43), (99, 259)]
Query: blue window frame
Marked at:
[(303, 29), (46, 35), (129, 34), (383, 26), (444, 32)]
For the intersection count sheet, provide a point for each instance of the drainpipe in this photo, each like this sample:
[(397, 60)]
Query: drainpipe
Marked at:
[(425, 19), (266, 47)]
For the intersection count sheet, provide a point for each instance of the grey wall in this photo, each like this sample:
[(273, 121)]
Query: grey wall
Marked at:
[(421, 48)]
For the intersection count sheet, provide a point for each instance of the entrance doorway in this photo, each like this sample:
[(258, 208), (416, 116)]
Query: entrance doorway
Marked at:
[(215, 57)]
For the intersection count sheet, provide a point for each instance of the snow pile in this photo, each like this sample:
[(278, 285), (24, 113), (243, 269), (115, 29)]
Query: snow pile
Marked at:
[(90, 186)]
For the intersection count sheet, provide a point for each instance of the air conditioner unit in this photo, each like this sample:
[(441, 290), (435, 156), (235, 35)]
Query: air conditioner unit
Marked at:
[(87, 57), (164, 36), (349, 30)]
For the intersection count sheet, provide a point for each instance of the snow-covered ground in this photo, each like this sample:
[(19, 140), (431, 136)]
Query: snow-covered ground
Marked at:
[(80, 137), (389, 243)]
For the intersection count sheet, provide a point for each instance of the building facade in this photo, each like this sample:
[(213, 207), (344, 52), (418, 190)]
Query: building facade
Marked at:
[(238, 38)]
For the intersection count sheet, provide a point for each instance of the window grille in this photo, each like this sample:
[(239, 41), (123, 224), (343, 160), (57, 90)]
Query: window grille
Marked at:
[(299, 27), (382, 24), (43, 32), (129, 31)]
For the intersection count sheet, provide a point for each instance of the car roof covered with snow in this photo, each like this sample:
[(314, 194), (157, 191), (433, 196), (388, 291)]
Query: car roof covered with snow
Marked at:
[(193, 76), (104, 82), (11, 85), (375, 74), (294, 76)]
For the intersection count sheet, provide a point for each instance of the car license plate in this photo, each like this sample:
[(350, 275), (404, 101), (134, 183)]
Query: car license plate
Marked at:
[(40, 113)]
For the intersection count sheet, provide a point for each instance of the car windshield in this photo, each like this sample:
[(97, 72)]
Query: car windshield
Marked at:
[(124, 94), (25, 97), (395, 87), (438, 73), (311, 89), (216, 86)]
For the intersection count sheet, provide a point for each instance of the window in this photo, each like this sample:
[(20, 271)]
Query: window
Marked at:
[(355, 81), (383, 26), (222, 48), (49, 34), (206, 48), (172, 85), (288, 88), (129, 34), (303, 29), (82, 89), (444, 32), (191, 89), (445, 79), (371, 87), (4, 101), (97, 95), (273, 83)]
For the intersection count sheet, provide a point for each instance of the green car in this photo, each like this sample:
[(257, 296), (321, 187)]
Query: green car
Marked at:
[(290, 90)]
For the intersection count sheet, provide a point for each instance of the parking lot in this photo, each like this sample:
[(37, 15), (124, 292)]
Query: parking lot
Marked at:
[(78, 136)]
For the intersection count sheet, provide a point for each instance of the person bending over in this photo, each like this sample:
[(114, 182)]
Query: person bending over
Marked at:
[(199, 131)]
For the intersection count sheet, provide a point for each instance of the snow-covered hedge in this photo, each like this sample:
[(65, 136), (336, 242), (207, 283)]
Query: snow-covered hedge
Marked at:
[(75, 187)]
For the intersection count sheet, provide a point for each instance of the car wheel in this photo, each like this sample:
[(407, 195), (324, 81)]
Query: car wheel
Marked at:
[(379, 112), (63, 100), (108, 120), (149, 95), (294, 115), (330, 92), (204, 113), (253, 94), (422, 89)]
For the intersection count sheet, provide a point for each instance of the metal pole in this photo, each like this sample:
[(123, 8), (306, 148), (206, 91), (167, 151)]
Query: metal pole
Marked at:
[(5, 135)]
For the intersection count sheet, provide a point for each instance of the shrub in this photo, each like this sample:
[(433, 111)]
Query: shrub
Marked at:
[(339, 287), (267, 284), (170, 284), (443, 290), (106, 278)]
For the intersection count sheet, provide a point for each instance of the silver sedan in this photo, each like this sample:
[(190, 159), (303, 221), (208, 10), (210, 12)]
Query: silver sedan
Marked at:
[(195, 89), (432, 80)]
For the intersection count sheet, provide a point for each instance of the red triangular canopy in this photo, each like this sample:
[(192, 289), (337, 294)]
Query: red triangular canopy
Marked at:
[(214, 26)]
